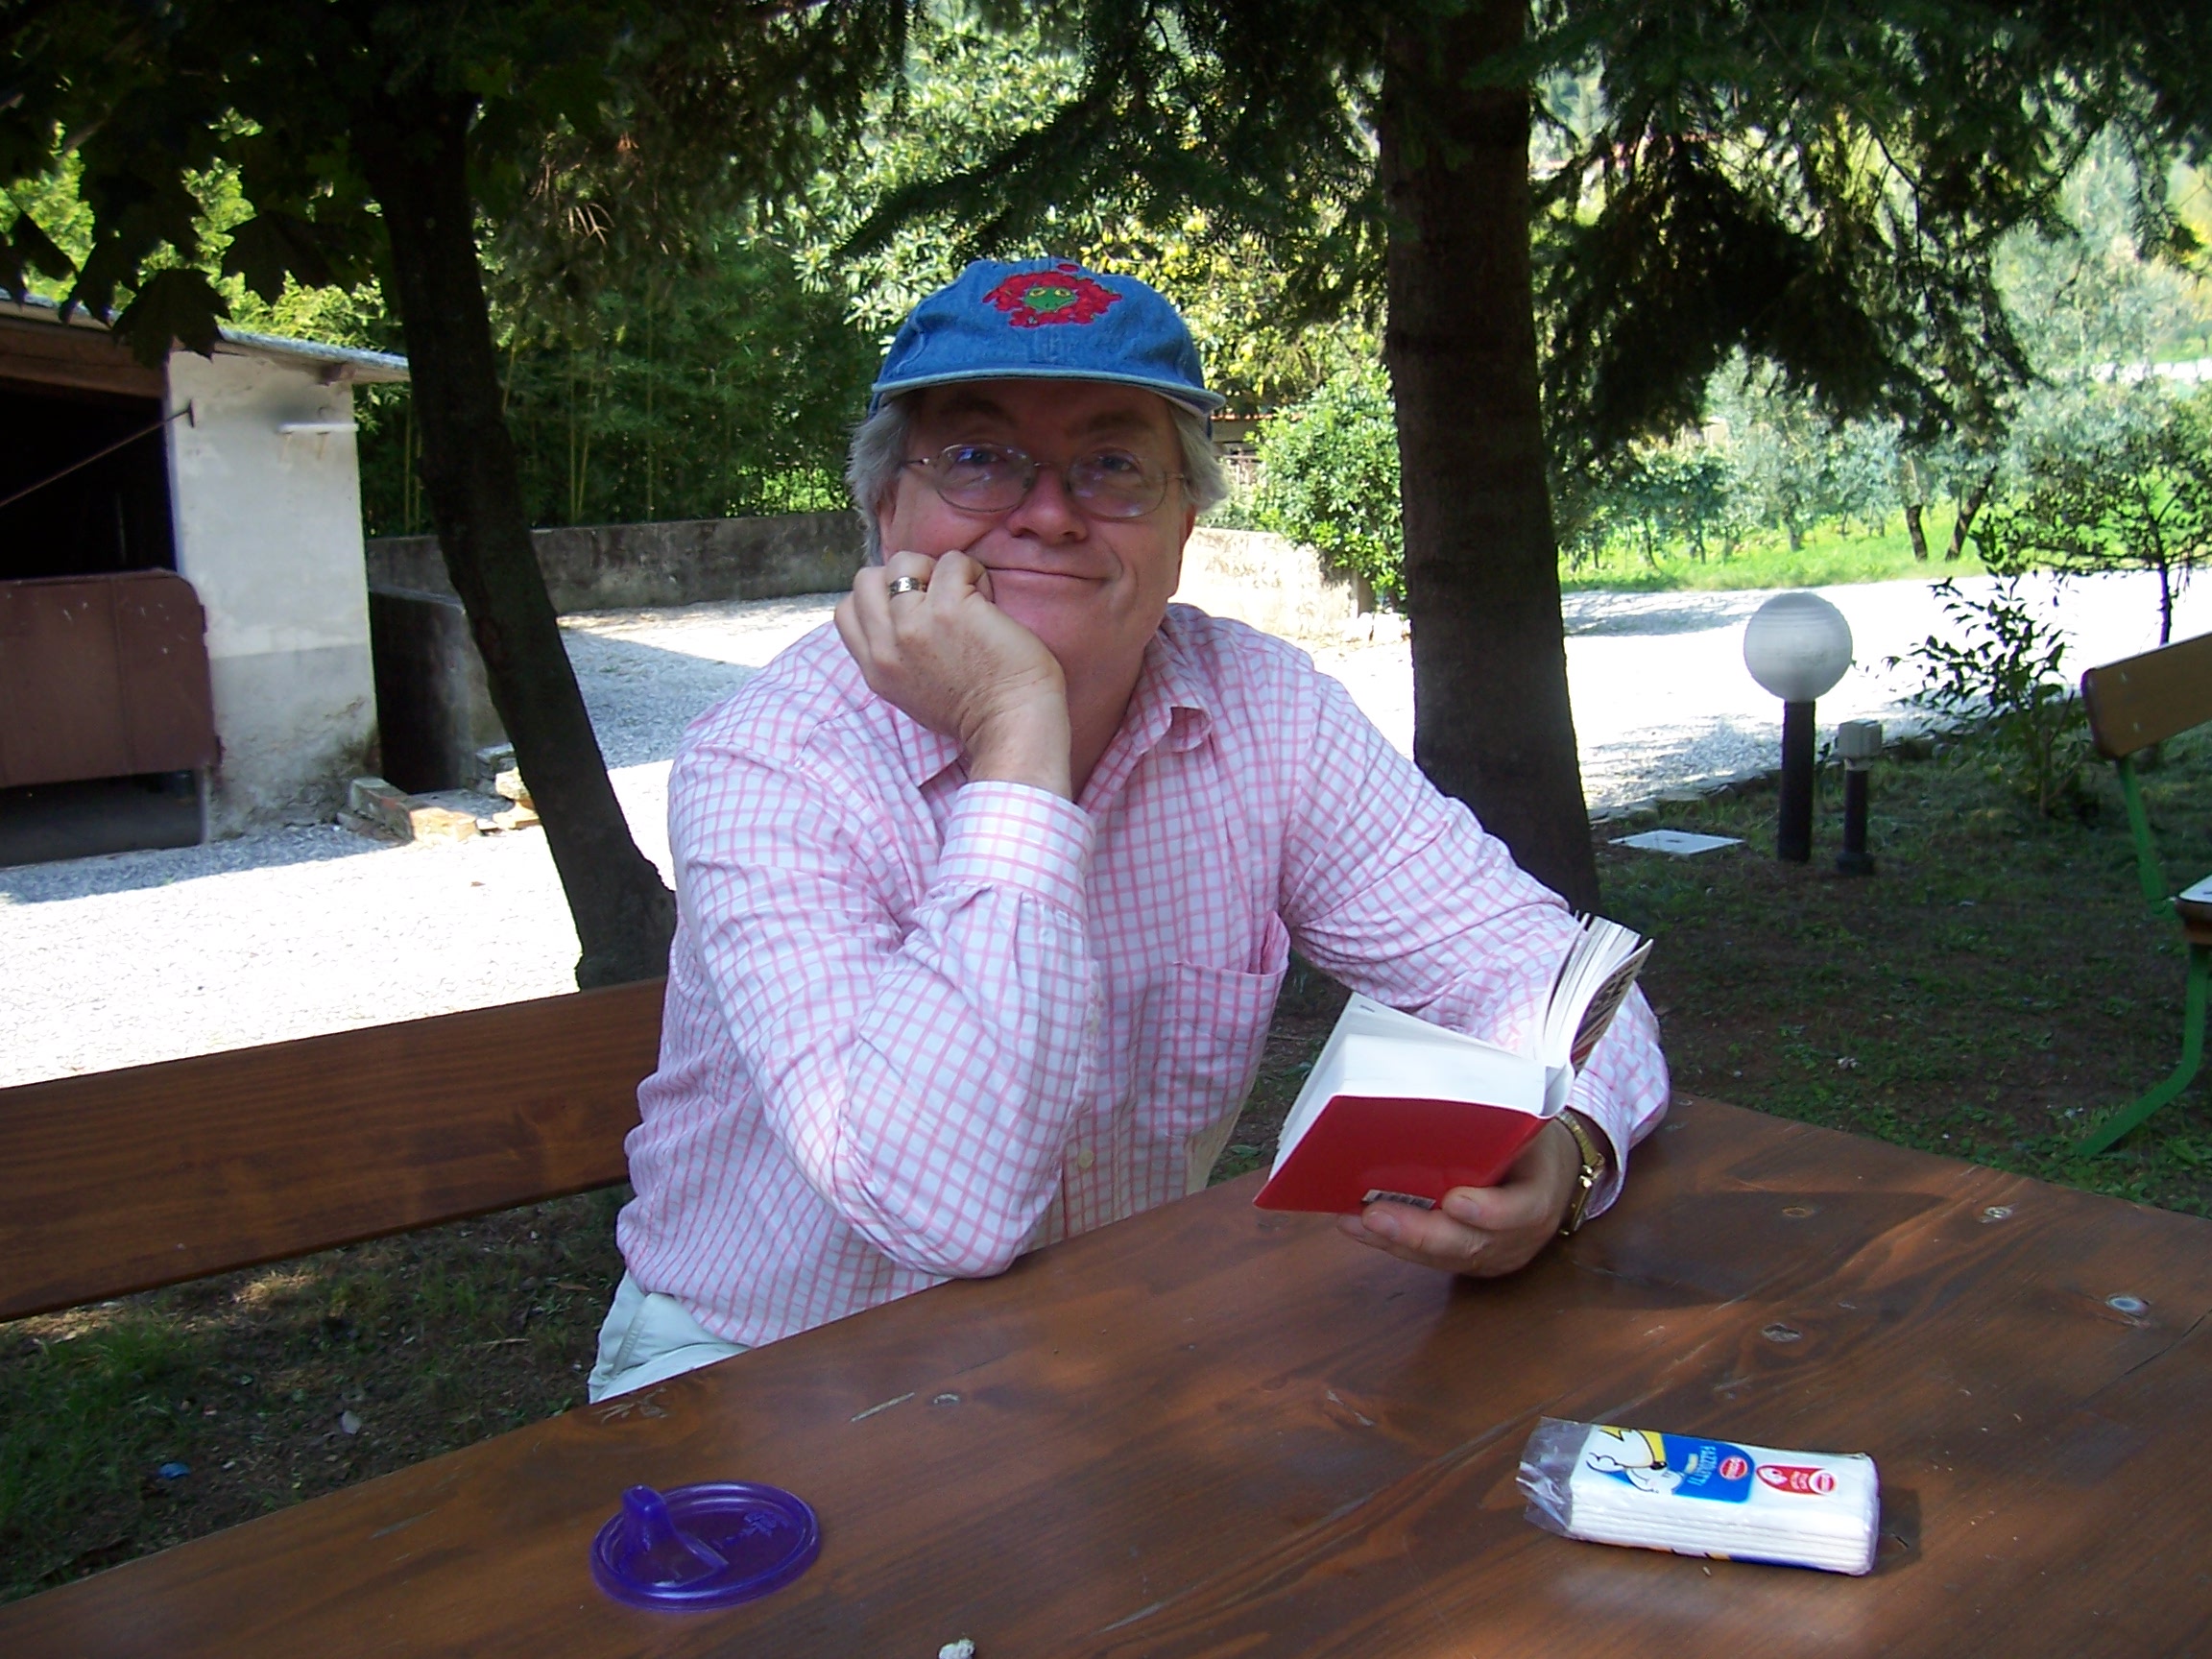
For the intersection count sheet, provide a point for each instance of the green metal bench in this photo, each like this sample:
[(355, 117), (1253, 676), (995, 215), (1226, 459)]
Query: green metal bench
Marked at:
[(2132, 704)]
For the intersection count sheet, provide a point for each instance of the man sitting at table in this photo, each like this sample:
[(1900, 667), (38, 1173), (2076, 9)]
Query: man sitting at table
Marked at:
[(986, 895)]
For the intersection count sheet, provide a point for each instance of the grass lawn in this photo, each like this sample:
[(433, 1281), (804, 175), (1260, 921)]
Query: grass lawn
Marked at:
[(1993, 989), (1997, 986), (420, 1343), (1830, 557)]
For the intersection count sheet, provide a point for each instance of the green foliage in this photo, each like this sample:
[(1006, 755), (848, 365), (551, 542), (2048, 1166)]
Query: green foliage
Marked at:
[(1329, 478), (1792, 467), (2003, 672), (1215, 148), (2135, 495), (601, 132), (659, 359), (979, 86), (1653, 496), (717, 385), (723, 390)]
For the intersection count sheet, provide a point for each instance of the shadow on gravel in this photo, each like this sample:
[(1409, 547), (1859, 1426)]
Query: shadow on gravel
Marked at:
[(1686, 756), (641, 697), (134, 871), (1636, 613)]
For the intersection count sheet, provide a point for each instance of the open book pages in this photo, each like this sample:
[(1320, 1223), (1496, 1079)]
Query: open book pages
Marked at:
[(1399, 1108), (1589, 989)]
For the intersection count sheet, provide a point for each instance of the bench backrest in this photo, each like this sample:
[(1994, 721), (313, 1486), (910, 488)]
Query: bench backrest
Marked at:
[(121, 1180), (2139, 700), (2144, 700)]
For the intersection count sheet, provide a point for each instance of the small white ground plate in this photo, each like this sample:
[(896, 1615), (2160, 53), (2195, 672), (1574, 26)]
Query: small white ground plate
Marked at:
[(1679, 842)]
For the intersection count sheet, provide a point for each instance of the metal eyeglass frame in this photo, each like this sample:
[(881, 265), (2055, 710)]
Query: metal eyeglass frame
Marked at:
[(1085, 503)]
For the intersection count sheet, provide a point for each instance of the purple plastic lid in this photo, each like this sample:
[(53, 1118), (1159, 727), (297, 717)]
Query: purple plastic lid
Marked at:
[(707, 1546)]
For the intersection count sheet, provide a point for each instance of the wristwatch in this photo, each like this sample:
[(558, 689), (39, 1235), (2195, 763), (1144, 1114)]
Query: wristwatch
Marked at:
[(1595, 1161)]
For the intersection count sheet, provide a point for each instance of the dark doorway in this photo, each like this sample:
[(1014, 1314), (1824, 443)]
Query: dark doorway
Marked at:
[(48, 822), (110, 516)]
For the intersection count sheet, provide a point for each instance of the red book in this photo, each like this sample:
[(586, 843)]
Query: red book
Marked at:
[(1398, 1108)]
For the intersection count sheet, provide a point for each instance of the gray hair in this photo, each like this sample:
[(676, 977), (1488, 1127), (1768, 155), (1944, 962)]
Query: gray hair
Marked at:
[(879, 451)]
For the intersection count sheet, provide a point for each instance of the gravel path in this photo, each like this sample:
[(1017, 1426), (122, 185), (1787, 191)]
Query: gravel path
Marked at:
[(144, 956)]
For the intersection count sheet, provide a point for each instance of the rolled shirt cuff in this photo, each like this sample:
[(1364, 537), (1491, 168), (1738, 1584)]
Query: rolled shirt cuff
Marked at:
[(1017, 836)]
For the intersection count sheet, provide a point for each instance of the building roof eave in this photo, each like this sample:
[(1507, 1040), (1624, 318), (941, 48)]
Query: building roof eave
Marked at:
[(337, 364)]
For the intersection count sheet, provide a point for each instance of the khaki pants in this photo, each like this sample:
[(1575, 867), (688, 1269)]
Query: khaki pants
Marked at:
[(648, 1337)]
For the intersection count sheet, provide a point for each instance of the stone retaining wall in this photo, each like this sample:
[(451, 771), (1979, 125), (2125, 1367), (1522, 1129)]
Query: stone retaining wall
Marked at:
[(632, 566), (1273, 584)]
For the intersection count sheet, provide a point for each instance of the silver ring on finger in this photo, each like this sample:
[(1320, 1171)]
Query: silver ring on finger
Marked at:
[(906, 585)]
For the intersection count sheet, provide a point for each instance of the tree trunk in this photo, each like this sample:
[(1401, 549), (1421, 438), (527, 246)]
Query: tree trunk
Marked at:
[(1977, 492), (1492, 724), (1912, 528), (414, 148), (1913, 492)]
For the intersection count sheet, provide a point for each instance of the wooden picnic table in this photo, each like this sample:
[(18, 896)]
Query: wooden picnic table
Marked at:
[(1218, 1431)]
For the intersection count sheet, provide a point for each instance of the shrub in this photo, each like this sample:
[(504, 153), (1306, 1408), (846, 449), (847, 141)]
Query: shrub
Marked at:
[(1329, 478), (2004, 673)]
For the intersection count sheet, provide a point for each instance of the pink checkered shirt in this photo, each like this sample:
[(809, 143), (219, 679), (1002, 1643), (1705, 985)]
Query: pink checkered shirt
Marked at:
[(918, 1025)]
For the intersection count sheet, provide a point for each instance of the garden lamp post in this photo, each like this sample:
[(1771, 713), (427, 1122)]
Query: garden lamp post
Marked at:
[(1796, 645), (1858, 745)]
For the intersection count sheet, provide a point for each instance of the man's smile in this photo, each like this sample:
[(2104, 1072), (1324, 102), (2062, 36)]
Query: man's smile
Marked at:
[(1019, 572)]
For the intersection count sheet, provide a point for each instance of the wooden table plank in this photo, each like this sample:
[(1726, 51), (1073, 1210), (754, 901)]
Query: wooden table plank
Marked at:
[(1217, 1431)]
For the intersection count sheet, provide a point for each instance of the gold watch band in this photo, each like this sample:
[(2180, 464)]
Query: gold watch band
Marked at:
[(1593, 1149)]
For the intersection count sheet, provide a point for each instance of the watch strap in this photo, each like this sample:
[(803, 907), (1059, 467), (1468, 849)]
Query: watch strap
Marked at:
[(1595, 1161)]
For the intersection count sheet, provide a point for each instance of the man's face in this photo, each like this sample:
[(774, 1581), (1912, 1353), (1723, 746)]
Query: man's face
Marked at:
[(1093, 589)]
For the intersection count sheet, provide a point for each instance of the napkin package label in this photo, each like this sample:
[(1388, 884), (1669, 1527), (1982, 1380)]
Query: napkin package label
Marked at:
[(1698, 1496), (1653, 1462)]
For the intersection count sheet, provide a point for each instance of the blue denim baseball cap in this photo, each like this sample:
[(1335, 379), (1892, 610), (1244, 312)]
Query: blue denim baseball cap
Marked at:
[(1045, 320)]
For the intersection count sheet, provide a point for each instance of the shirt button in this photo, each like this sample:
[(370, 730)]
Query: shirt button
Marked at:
[(1085, 1158)]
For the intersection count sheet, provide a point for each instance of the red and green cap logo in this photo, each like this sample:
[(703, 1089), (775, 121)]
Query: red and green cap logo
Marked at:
[(1034, 299)]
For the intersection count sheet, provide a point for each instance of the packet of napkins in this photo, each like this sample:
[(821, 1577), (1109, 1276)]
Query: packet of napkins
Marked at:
[(1694, 1497)]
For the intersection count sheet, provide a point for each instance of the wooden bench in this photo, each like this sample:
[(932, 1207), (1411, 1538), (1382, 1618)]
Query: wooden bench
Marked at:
[(2132, 704), (121, 1180)]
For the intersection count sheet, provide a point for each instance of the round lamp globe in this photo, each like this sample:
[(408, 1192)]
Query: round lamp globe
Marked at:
[(1798, 645)]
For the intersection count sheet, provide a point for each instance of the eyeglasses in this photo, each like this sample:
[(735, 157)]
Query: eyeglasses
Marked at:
[(997, 479)]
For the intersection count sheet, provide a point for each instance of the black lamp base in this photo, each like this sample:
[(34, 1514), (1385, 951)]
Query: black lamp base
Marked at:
[(1794, 821)]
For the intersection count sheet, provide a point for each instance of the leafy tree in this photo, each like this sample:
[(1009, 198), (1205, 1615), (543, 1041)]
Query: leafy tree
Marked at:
[(2138, 499), (1796, 468), (1823, 189), (1684, 490), (378, 138), (721, 388), (1329, 478), (982, 78)]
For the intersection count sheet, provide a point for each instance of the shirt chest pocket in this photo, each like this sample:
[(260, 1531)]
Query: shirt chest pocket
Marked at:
[(1202, 1032)]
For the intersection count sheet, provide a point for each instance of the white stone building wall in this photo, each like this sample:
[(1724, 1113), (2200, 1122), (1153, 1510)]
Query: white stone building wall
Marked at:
[(268, 529)]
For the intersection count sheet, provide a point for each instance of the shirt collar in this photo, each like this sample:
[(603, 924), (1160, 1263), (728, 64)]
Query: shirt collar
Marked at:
[(1172, 700)]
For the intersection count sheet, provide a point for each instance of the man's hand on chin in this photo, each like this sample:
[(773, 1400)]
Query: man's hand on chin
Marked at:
[(942, 652), (1484, 1232)]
